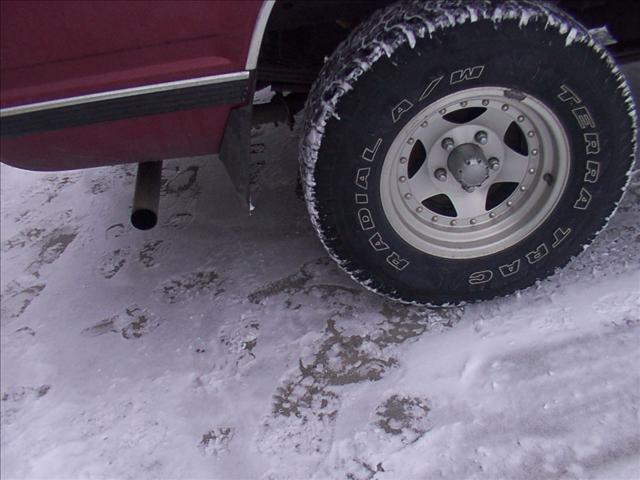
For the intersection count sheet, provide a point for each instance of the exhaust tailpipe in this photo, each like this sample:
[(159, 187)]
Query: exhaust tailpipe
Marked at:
[(146, 199)]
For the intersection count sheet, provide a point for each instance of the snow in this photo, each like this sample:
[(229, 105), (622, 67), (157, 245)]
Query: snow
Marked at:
[(228, 346)]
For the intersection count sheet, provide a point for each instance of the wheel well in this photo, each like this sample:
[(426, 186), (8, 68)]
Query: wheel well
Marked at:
[(300, 34)]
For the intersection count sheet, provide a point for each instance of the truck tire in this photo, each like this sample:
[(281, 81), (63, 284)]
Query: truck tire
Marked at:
[(459, 151)]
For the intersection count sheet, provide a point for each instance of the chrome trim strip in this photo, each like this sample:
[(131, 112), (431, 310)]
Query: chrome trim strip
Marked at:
[(258, 34), (125, 92)]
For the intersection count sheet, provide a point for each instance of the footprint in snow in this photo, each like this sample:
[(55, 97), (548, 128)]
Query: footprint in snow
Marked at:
[(13, 399), (307, 402), (319, 278), (17, 297), (116, 231), (24, 238), (133, 323), (100, 185), (216, 441), (189, 285), (23, 216), (112, 262), (25, 331), (52, 246), (52, 185), (183, 183), (404, 417), (398, 421), (150, 252), (240, 338), (179, 220), (19, 394)]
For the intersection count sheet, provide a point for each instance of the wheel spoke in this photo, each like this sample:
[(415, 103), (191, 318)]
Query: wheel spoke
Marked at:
[(495, 120), (470, 204), (423, 187), (513, 169)]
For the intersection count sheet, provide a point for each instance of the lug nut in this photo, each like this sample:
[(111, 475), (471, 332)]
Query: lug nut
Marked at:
[(481, 137), (448, 144), (440, 174), (494, 163), (469, 189)]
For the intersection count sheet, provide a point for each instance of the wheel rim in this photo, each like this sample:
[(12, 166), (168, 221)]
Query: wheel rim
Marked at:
[(475, 172)]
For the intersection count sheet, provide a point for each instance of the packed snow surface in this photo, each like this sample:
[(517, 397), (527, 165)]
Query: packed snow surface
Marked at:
[(228, 346)]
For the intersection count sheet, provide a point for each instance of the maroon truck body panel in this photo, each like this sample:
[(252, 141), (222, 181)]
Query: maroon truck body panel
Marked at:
[(52, 50)]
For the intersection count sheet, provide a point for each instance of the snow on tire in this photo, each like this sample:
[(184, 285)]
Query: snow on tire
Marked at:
[(457, 151)]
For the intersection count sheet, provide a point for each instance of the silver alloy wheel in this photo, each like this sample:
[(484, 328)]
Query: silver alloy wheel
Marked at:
[(441, 208)]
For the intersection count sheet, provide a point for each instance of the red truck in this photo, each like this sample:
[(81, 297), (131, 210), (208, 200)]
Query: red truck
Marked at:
[(451, 151)]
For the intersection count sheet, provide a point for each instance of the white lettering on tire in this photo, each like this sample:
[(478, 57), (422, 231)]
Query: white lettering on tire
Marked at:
[(377, 243), (583, 200), (470, 73), (583, 116), (362, 198), (366, 222), (478, 278), (592, 141), (538, 254), (369, 154), (397, 111), (559, 235), (397, 262), (510, 268), (362, 178), (567, 95), (430, 88), (593, 172)]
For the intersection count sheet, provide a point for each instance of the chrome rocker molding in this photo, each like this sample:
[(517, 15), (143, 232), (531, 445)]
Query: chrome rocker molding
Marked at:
[(224, 89)]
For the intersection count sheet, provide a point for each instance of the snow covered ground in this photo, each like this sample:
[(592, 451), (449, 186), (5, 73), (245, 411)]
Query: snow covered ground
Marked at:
[(227, 346)]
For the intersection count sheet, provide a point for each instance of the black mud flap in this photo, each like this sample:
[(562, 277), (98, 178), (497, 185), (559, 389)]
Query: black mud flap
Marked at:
[(235, 151)]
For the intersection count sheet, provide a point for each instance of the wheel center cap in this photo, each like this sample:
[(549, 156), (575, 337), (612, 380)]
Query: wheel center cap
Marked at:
[(468, 165)]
